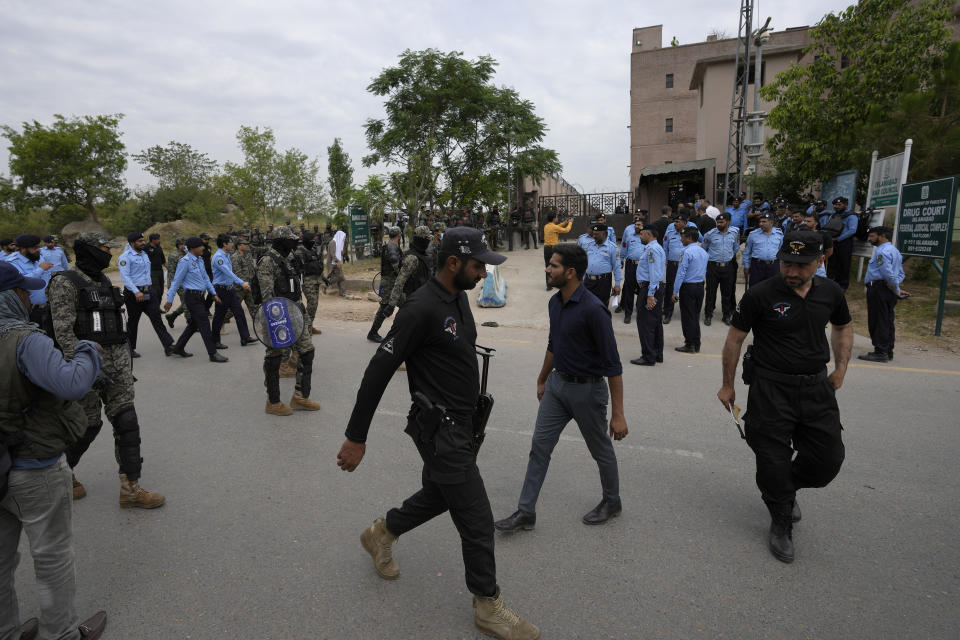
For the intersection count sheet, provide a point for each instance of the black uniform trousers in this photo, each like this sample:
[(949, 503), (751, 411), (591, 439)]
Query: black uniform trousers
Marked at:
[(671, 278), (787, 413), (726, 277), (150, 308), (691, 299), (760, 271), (599, 286), (452, 482), (650, 323), (199, 321), (838, 267), (630, 290), (880, 304), (228, 302)]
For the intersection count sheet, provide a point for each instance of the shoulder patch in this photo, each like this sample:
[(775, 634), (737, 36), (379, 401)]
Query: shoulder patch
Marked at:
[(123, 263), (220, 261)]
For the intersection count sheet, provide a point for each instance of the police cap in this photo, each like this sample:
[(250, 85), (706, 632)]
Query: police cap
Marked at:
[(27, 241), (801, 246), (193, 242)]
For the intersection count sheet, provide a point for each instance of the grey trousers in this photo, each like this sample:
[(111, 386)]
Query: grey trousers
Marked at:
[(39, 503), (562, 401)]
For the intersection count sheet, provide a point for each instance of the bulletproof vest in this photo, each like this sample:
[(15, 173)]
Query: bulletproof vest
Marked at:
[(100, 315), (287, 282), (528, 216), (418, 278), (312, 266), (387, 270), (34, 422)]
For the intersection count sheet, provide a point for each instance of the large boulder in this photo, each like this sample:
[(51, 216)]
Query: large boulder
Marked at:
[(70, 232)]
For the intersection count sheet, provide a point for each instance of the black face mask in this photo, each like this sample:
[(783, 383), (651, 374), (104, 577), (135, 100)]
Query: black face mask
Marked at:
[(285, 246), (420, 244), (91, 260), (308, 244)]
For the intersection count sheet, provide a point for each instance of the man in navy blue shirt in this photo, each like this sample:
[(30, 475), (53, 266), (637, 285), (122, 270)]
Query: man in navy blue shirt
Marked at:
[(581, 352)]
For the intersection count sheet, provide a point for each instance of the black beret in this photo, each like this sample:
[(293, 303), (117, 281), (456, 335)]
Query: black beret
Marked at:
[(154, 236), (193, 242), (133, 236), (27, 241)]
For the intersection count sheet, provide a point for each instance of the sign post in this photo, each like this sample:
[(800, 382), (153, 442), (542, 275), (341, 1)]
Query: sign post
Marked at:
[(925, 224), (359, 229)]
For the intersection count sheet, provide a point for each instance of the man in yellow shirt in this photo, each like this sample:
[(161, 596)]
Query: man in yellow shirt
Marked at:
[(551, 236)]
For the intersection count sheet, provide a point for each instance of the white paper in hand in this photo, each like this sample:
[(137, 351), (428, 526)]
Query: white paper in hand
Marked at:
[(614, 302)]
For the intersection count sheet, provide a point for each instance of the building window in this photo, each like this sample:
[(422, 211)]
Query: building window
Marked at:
[(670, 80), (752, 72), (669, 126)]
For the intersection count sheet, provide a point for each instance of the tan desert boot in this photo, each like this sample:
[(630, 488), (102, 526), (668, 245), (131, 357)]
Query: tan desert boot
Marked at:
[(314, 331), (286, 371), (494, 618), (297, 401), (277, 409), (133, 495), (78, 490), (378, 541)]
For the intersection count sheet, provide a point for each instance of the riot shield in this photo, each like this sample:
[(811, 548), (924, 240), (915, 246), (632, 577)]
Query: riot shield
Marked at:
[(278, 323)]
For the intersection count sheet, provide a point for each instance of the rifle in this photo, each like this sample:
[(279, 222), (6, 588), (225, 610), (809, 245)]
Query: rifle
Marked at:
[(481, 413)]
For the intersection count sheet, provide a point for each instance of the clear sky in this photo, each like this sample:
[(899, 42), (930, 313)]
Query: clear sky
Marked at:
[(195, 71)]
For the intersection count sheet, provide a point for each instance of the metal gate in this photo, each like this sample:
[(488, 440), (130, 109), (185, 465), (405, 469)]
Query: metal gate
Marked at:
[(589, 204)]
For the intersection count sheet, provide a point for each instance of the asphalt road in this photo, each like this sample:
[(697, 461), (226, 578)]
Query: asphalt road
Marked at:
[(260, 534)]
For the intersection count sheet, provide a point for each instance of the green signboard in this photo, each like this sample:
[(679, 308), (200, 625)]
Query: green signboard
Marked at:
[(359, 227), (925, 218), (925, 227)]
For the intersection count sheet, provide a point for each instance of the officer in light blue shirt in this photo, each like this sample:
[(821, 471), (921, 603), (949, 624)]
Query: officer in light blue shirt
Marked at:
[(688, 290), (673, 246), (721, 245), (52, 253), (27, 261), (651, 274), (191, 274), (760, 253), (602, 263), (139, 294), (631, 247), (883, 278), (738, 216), (223, 280)]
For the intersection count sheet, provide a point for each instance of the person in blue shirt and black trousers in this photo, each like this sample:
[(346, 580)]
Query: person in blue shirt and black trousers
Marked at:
[(139, 294), (223, 280), (688, 289), (883, 278), (192, 276), (760, 254), (673, 245), (721, 245), (651, 276), (603, 267), (632, 248)]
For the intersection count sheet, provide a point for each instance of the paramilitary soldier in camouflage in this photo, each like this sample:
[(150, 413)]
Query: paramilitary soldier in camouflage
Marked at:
[(414, 272), (245, 267), (390, 256), (308, 262), (278, 278), (172, 261), (84, 305)]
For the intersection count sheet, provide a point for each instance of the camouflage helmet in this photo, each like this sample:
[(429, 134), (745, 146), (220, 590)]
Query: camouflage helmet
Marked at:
[(439, 226), (180, 240), (422, 232), (284, 232), (96, 239)]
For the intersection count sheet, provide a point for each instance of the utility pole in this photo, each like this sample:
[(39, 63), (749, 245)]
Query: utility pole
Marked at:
[(733, 173)]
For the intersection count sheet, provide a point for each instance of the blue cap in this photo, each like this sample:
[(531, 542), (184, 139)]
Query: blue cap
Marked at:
[(11, 278)]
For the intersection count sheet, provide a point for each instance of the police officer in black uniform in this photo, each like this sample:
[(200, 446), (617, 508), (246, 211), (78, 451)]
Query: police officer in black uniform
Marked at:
[(435, 335), (158, 263), (792, 404)]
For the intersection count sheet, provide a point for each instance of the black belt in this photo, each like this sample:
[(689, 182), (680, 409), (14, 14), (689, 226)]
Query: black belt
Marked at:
[(875, 283), (578, 379), (223, 286), (633, 261), (593, 277), (721, 264), (196, 292), (767, 261), (673, 262), (143, 288), (794, 378)]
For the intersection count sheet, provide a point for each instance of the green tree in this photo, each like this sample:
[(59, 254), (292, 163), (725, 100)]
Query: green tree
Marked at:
[(930, 116), (857, 60), (374, 196), (339, 175), (72, 162), (451, 131), (177, 165), (270, 181)]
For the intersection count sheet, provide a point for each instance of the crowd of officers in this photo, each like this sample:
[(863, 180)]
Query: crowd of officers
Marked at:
[(75, 358)]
